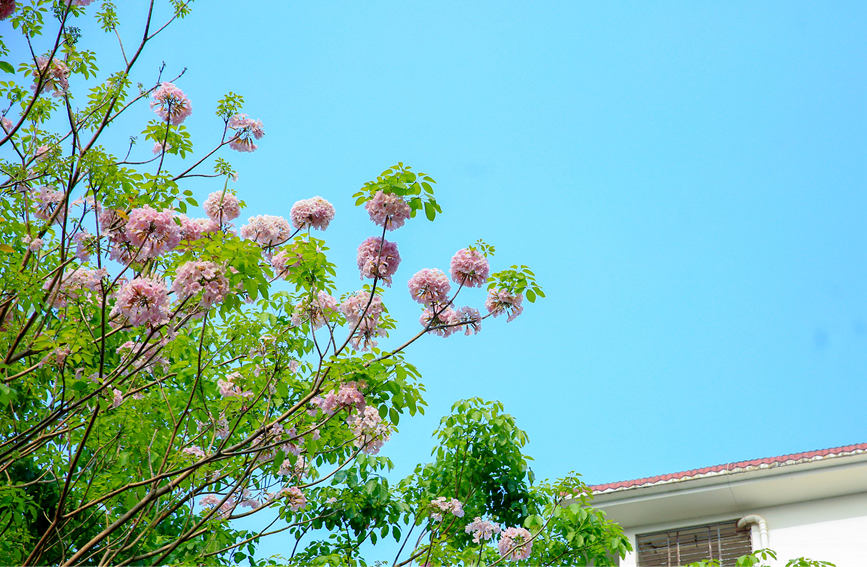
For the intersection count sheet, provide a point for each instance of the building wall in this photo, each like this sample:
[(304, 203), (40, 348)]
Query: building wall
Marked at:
[(831, 529)]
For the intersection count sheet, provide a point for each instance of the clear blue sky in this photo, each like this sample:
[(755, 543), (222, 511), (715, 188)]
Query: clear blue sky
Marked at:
[(687, 180)]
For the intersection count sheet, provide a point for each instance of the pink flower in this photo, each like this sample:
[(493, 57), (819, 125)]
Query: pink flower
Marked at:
[(388, 207), (194, 229), (515, 544), (246, 129), (369, 430), (429, 286), (48, 201), (84, 245), (445, 323), (35, 244), (152, 232), (471, 320), (75, 284), (160, 147), (143, 301), (315, 212), (295, 497), (78, 2), (206, 277), (453, 507), (500, 301), (317, 311), (5, 123), (194, 451), (348, 395), (222, 206), (267, 230), (469, 267), (228, 388), (378, 258), (56, 75), (42, 152), (357, 312), (171, 104), (117, 398), (481, 530), (7, 7), (283, 260)]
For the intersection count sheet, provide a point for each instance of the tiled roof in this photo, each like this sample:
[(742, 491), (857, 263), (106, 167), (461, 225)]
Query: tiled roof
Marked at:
[(740, 466)]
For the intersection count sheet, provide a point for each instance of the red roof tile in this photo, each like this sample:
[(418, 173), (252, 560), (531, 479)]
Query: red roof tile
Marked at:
[(733, 467)]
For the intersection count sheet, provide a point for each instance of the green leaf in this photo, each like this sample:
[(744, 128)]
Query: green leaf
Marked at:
[(429, 211), (7, 67)]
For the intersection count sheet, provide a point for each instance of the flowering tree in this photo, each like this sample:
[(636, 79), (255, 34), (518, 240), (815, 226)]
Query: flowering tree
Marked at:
[(162, 375)]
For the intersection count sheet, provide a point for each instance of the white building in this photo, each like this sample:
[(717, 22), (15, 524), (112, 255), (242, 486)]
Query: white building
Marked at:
[(811, 504)]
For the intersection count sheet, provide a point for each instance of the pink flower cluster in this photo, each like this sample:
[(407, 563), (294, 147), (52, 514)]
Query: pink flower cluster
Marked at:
[(84, 245), (212, 500), (194, 451), (48, 201), (469, 267), (515, 544), (116, 398), (370, 431), (481, 530), (315, 212), (78, 2), (56, 76), (7, 7), (378, 258), (246, 129), (295, 498), (318, 311), (297, 469), (453, 507), (160, 147), (152, 232), (283, 260), (347, 396), (194, 229), (388, 208), (449, 321), (267, 230), (222, 206), (5, 123), (75, 284), (143, 301), (207, 277), (228, 388), (353, 308), (500, 301), (429, 286), (171, 104)]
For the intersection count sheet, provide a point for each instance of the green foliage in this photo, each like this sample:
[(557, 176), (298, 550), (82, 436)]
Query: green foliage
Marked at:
[(416, 189), (517, 280)]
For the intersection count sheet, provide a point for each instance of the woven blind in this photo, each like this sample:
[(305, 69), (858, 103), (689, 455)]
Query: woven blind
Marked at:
[(674, 548)]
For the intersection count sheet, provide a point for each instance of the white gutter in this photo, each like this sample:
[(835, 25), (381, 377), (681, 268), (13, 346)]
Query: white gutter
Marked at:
[(758, 530)]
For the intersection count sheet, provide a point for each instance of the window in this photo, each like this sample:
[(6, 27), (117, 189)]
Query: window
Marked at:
[(673, 548)]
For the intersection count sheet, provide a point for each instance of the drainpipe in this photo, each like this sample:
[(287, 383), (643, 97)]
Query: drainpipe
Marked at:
[(758, 530)]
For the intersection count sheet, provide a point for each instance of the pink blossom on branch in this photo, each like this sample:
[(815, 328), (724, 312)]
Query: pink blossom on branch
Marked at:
[(481, 529), (56, 75), (515, 544), (315, 212), (471, 320), (500, 301), (295, 499), (388, 207), (7, 7), (267, 230), (353, 308), (246, 129), (317, 311), (442, 322), (378, 257), (369, 430), (143, 301), (453, 507), (429, 286), (228, 388), (469, 267), (222, 206), (152, 232), (207, 277), (171, 104)]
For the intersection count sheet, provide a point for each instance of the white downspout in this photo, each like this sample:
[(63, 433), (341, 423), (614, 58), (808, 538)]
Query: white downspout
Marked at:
[(758, 530)]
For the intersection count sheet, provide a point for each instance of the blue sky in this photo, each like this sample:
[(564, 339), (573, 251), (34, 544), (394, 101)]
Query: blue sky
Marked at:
[(687, 181)]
